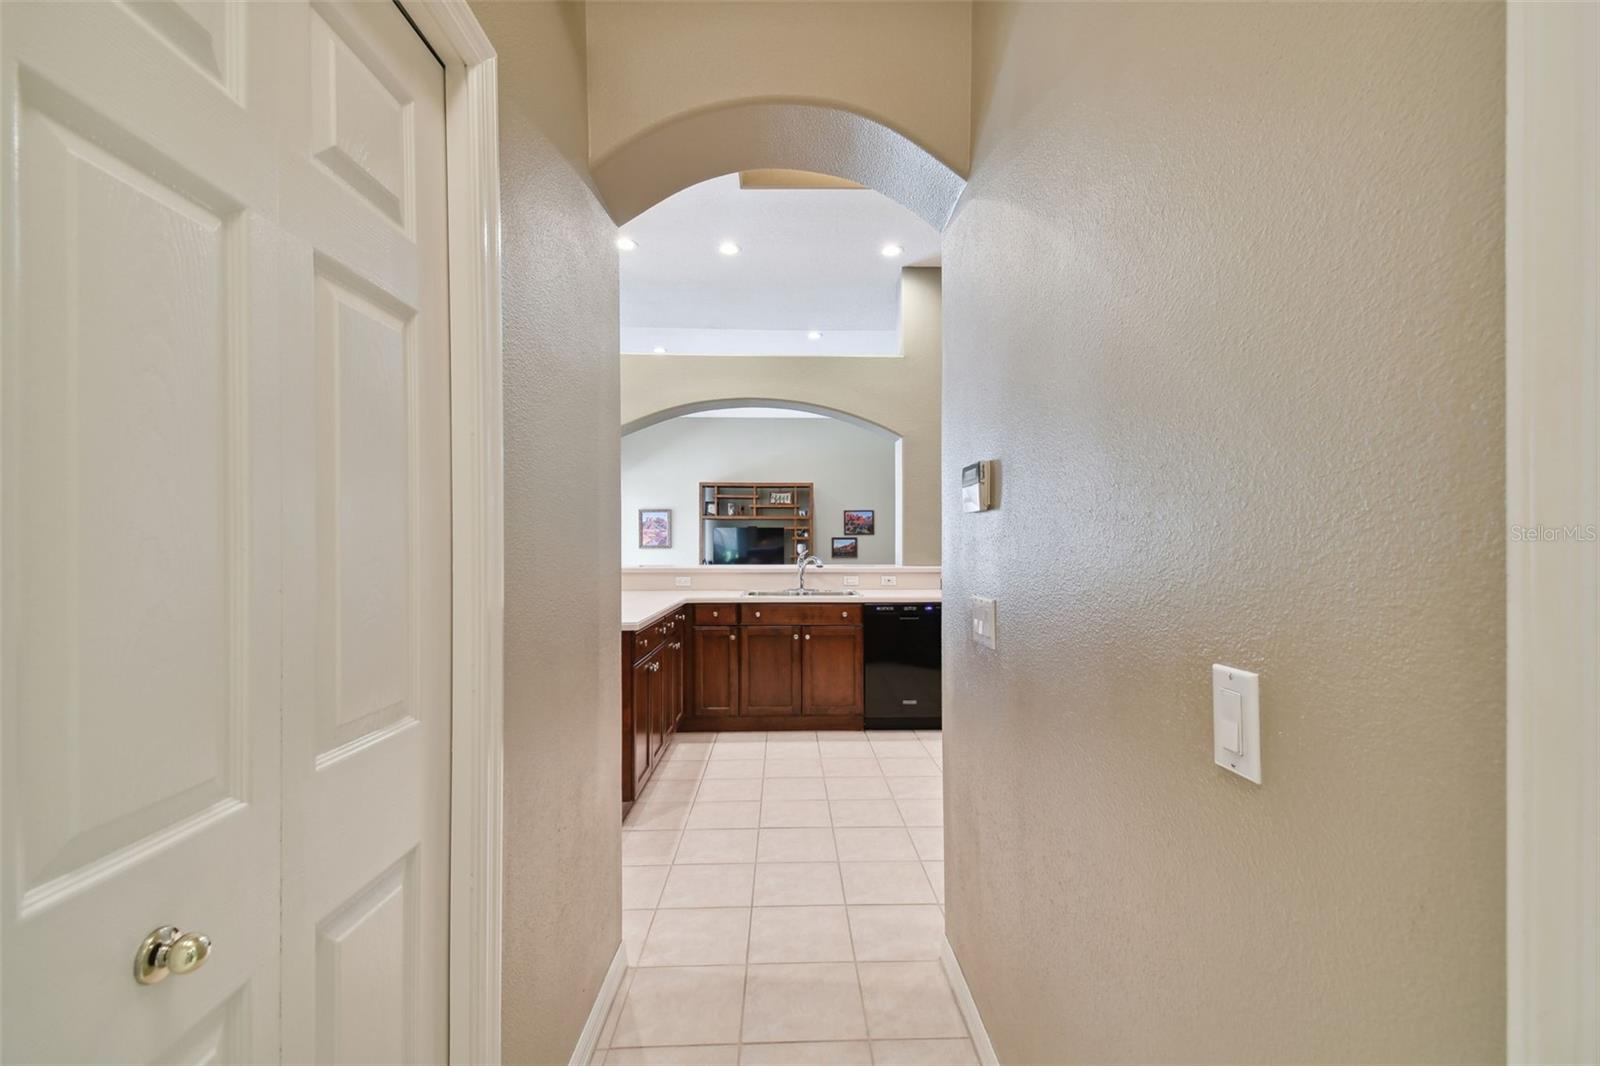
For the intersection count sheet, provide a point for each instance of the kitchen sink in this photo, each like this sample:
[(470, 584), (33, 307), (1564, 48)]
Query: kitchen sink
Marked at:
[(802, 592)]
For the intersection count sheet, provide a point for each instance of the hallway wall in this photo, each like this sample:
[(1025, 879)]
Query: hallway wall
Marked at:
[(562, 876), (899, 394), (1224, 299)]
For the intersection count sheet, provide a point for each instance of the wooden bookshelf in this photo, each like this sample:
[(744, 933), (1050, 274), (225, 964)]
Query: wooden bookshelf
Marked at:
[(788, 504)]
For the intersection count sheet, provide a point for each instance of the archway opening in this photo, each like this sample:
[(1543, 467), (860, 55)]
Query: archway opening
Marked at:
[(752, 482)]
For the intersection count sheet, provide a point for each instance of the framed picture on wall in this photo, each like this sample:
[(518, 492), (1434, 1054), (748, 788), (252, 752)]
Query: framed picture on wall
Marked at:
[(655, 528), (844, 548), (859, 523)]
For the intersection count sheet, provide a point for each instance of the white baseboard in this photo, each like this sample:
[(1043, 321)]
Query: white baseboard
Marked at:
[(969, 1006), (589, 1039)]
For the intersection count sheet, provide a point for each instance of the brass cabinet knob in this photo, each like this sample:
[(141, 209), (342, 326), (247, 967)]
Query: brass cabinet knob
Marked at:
[(169, 950)]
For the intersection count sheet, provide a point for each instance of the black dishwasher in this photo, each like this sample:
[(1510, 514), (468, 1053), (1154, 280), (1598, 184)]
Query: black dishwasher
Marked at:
[(902, 678)]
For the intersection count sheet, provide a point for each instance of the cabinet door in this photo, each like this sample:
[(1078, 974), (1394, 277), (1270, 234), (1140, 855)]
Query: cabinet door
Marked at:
[(716, 671), (643, 714), (678, 680), (658, 704), (833, 669), (770, 670)]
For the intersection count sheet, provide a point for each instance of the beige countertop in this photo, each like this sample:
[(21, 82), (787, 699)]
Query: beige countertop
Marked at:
[(641, 608)]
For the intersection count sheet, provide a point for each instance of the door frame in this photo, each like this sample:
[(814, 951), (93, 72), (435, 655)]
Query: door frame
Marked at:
[(1552, 582), (477, 529)]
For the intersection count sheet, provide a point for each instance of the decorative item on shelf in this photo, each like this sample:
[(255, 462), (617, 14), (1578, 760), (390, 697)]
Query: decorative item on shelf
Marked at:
[(803, 513), (655, 528), (844, 548), (860, 523), (711, 507), (781, 498)]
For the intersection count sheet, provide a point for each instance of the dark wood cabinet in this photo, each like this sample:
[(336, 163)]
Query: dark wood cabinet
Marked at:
[(769, 670), (833, 667), (715, 665), (652, 697), (776, 666), (738, 666)]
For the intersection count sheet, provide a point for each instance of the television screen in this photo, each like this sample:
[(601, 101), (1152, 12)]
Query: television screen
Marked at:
[(747, 544)]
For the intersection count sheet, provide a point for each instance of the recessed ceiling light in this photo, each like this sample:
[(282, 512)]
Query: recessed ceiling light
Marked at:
[(892, 251), (728, 248), (626, 244), (814, 335), (658, 350)]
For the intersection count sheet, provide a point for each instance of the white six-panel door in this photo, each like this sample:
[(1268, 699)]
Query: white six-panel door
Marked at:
[(367, 550), (223, 531)]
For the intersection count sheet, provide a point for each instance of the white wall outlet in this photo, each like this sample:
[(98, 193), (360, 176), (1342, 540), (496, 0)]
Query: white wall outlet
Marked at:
[(683, 582), (888, 579), (1236, 721), (852, 579), (983, 621)]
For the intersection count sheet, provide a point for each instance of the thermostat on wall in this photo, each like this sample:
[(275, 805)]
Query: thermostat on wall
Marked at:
[(977, 486)]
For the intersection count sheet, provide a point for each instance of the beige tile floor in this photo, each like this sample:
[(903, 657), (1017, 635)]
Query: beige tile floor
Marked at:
[(782, 903)]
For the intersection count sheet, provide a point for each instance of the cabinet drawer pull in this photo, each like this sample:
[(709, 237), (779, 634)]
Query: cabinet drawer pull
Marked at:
[(758, 614), (797, 636), (808, 636), (733, 636)]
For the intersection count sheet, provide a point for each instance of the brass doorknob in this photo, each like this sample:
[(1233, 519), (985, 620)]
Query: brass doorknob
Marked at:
[(169, 950)]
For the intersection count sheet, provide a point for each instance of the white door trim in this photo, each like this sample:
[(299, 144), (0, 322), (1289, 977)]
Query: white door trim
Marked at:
[(1552, 582), (477, 527)]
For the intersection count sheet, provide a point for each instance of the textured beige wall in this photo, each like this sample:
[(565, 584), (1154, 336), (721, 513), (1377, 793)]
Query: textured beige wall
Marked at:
[(1225, 300), (905, 64), (898, 394), (562, 691)]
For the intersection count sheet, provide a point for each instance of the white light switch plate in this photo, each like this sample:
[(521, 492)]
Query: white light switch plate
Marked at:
[(683, 582), (983, 621), (852, 579), (1236, 721), (888, 579)]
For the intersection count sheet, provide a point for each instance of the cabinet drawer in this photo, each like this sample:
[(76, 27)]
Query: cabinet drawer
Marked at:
[(715, 614), (648, 638), (800, 614)]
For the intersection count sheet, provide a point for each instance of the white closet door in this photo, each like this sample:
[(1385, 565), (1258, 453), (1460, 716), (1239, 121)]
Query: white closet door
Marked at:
[(224, 517), (140, 529), (367, 684)]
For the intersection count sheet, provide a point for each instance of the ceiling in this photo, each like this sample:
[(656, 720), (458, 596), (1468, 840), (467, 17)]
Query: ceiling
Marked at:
[(809, 259)]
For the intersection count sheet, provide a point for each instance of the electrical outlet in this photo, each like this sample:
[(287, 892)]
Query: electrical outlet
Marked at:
[(852, 579), (888, 579), (683, 582)]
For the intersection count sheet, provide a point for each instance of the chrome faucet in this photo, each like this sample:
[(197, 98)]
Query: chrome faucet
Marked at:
[(805, 561)]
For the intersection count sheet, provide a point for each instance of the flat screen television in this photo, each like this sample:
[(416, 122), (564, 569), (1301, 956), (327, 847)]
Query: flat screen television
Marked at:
[(747, 544)]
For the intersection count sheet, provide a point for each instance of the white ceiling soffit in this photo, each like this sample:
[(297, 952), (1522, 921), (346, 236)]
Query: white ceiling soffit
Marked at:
[(809, 261)]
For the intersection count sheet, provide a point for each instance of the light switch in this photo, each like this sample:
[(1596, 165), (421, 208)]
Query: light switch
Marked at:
[(683, 582), (1236, 721), (852, 579), (1230, 721), (983, 621)]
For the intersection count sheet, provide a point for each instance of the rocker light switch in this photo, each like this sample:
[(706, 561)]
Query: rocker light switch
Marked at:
[(1236, 721)]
